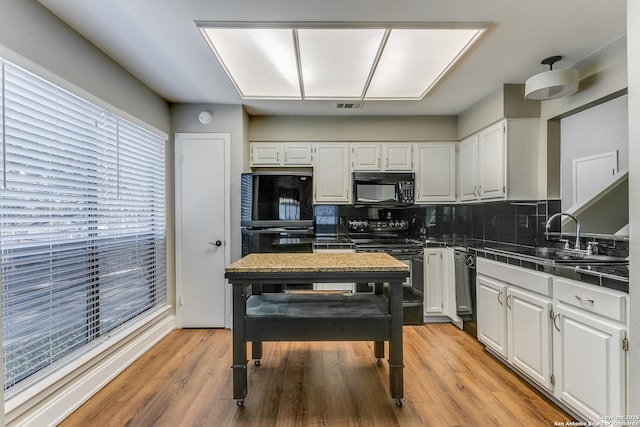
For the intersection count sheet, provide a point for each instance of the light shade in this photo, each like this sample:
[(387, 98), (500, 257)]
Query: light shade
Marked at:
[(551, 84), (335, 61)]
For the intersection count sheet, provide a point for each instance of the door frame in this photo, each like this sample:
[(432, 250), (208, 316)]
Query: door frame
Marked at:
[(178, 138)]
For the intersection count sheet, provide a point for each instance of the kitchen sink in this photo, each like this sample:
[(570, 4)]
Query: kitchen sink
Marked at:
[(558, 255)]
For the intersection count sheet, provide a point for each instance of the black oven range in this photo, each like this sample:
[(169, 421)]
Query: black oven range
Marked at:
[(390, 236)]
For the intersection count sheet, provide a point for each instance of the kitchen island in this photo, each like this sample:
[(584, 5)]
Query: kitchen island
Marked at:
[(310, 316)]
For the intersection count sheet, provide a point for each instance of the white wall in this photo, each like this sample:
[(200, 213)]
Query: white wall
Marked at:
[(601, 74), (633, 39), (597, 130), (35, 39), (389, 128)]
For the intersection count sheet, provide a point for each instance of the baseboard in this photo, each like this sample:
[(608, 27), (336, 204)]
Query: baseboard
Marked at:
[(437, 319), (52, 404)]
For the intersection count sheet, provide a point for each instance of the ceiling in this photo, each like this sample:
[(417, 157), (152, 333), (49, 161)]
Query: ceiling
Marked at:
[(158, 42)]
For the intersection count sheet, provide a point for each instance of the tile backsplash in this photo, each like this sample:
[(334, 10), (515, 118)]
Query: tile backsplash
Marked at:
[(518, 222)]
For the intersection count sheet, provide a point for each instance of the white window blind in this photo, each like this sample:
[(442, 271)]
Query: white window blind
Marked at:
[(82, 223)]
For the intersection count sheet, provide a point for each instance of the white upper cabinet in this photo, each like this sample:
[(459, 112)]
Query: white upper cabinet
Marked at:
[(331, 174), (281, 154), (468, 168), (500, 162), (435, 172), (297, 154), (491, 162), (366, 157), (381, 157), (265, 154), (397, 157)]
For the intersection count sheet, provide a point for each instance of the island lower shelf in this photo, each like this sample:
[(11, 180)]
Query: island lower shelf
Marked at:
[(319, 317)]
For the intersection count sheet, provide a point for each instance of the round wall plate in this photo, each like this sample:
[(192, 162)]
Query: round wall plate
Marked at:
[(204, 117)]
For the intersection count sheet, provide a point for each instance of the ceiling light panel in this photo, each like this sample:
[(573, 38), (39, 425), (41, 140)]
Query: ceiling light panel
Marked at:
[(415, 59), (332, 61), (260, 61), (337, 63)]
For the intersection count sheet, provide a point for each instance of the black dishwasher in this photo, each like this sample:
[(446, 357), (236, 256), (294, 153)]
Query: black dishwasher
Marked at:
[(465, 282)]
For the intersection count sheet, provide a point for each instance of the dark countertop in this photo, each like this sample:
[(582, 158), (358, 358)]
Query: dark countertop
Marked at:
[(609, 275)]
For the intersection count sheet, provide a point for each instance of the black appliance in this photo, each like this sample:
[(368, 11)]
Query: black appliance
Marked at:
[(389, 236), (465, 283), (383, 188), (276, 212)]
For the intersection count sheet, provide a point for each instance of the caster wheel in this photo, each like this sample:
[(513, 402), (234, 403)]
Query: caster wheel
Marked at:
[(399, 403), (240, 402), (378, 362), (256, 362)]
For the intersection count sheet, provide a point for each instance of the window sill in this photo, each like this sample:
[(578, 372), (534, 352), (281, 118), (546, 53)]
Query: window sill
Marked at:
[(55, 393)]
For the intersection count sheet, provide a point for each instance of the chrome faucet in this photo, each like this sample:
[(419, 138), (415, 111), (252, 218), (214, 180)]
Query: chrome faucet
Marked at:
[(552, 217)]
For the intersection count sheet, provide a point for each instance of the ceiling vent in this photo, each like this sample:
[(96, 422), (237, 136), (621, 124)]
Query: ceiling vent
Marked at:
[(349, 105)]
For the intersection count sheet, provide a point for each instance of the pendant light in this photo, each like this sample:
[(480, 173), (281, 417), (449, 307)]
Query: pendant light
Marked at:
[(552, 83)]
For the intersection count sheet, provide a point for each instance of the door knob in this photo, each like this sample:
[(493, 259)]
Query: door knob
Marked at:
[(217, 243)]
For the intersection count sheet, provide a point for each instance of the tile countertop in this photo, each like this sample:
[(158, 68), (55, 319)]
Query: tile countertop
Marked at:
[(613, 276), (310, 262)]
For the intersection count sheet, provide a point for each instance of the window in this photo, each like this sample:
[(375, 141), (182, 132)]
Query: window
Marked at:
[(82, 223)]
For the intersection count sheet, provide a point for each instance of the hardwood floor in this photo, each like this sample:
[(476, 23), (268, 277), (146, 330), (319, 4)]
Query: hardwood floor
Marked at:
[(449, 380)]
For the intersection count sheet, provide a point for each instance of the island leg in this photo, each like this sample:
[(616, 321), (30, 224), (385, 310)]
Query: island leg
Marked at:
[(396, 363), (378, 351), (239, 345), (256, 352), (378, 346)]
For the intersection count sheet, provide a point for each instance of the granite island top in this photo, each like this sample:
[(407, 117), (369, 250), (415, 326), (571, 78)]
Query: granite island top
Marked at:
[(316, 262)]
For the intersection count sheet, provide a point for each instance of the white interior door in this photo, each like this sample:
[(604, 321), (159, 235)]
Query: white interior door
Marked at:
[(202, 206), (593, 173)]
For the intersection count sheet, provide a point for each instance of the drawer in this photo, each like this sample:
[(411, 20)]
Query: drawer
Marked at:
[(532, 280), (594, 299)]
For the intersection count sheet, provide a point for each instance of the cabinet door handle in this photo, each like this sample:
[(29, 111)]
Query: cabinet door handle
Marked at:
[(555, 325), (590, 301), (499, 295), (509, 305)]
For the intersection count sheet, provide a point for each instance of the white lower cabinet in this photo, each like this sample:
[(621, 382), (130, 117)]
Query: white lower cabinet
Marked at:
[(347, 287), (589, 346), (492, 314), (514, 317), (567, 336), (433, 283), (529, 334)]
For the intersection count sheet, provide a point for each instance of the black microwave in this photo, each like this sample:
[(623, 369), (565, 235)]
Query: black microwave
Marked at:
[(384, 188)]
